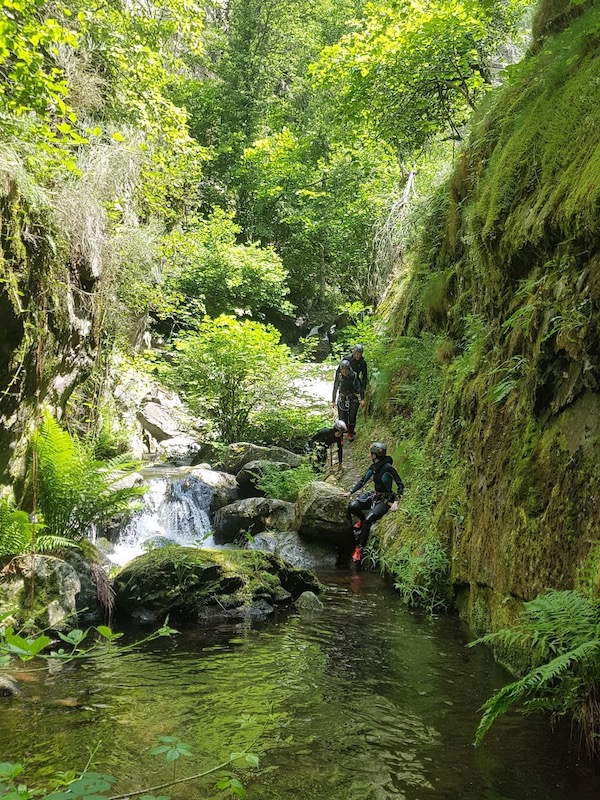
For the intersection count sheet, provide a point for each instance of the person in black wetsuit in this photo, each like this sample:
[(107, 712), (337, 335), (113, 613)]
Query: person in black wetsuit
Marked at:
[(322, 440), (359, 366), (348, 393), (372, 506)]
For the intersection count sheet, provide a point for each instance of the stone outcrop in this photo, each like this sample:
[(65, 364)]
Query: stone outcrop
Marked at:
[(321, 511), (192, 585), (225, 487), (252, 515)]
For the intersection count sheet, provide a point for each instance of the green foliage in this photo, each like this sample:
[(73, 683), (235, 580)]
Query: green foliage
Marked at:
[(18, 535), (212, 274), (411, 70), (286, 426), (74, 490), (420, 573), (230, 369), (283, 484), (560, 633)]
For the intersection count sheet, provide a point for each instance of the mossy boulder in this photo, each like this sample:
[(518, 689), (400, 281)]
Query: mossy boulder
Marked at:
[(322, 514), (189, 584), (43, 589), (240, 453)]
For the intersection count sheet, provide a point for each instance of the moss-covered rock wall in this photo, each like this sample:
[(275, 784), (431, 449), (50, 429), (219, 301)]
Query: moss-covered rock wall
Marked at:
[(47, 307), (499, 308)]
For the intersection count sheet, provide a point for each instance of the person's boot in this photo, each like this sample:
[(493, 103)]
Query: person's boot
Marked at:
[(358, 524), (357, 554)]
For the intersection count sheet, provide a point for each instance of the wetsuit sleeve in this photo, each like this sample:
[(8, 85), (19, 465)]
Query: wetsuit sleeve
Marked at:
[(359, 388), (387, 481), (359, 484), (336, 383)]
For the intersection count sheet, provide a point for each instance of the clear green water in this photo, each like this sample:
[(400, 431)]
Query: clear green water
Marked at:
[(368, 700)]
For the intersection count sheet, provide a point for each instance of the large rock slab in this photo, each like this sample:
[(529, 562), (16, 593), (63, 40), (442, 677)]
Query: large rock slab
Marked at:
[(252, 515), (322, 514), (189, 584), (240, 453), (225, 487), (160, 422)]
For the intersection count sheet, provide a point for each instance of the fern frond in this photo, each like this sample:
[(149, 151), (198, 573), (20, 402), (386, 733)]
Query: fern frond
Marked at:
[(532, 683)]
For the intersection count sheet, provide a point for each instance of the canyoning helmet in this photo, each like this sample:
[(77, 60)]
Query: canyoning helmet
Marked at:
[(340, 425), (345, 364), (378, 449), (358, 348)]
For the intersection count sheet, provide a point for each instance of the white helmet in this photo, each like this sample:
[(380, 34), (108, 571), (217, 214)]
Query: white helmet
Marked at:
[(340, 425)]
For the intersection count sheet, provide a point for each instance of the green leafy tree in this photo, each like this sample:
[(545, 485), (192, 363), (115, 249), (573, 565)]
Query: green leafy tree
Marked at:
[(231, 368), (411, 70), (211, 273)]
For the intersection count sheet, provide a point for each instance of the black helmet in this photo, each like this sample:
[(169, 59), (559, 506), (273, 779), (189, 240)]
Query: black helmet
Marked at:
[(378, 449), (358, 348), (345, 364), (340, 425)]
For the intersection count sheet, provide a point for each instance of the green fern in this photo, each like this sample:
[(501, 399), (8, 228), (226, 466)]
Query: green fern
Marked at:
[(75, 491), (561, 632)]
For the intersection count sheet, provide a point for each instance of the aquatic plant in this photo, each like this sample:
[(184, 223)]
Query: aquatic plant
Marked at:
[(420, 573), (560, 634)]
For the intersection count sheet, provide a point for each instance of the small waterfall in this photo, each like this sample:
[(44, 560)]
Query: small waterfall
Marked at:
[(175, 511)]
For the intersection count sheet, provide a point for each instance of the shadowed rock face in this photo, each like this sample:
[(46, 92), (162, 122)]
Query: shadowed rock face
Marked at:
[(190, 585)]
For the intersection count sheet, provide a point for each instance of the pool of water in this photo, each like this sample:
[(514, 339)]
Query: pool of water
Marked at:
[(366, 701)]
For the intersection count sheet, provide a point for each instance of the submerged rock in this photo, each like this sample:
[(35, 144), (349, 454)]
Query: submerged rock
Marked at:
[(294, 550), (190, 584), (308, 603)]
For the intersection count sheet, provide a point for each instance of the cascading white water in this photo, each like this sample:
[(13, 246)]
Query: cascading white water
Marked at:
[(175, 510)]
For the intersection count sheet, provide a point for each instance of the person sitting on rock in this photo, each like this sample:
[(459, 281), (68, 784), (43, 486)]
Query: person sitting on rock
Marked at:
[(347, 394), (372, 506), (322, 440)]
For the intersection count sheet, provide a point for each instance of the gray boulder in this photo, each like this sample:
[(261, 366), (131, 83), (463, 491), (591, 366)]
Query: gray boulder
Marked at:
[(179, 450), (158, 421), (225, 487), (194, 585), (322, 514), (240, 453), (294, 550), (308, 604), (253, 514)]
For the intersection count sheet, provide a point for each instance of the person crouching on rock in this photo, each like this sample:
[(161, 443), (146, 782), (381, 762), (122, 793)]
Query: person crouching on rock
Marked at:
[(321, 442), (372, 506)]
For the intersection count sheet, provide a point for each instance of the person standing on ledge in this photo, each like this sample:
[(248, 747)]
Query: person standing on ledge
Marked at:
[(347, 395), (372, 506)]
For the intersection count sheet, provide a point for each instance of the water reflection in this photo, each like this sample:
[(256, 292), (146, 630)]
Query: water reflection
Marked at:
[(365, 702)]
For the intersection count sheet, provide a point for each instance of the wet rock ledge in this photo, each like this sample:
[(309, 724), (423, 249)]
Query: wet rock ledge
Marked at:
[(192, 585)]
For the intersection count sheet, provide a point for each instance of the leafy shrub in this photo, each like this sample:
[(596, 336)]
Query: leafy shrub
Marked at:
[(420, 573), (560, 633), (284, 484), (285, 426)]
